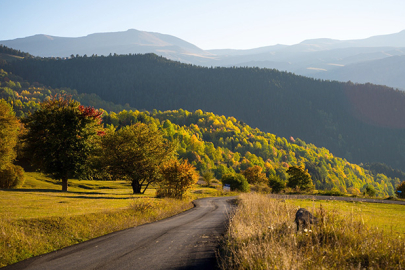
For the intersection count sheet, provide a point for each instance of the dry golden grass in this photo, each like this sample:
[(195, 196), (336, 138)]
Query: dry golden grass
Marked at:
[(262, 235)]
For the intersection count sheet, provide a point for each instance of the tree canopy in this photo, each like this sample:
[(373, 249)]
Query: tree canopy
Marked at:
[(135, 153), (299, 178), (60, 137)]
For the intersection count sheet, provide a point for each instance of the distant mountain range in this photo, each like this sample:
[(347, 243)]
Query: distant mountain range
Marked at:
[(378, 59)]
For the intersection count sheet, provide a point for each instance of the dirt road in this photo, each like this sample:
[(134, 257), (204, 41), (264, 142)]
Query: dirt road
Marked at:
[(185, 241)]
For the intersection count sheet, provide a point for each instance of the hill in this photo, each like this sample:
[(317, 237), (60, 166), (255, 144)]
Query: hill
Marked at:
[(359, 122), (386, 71)]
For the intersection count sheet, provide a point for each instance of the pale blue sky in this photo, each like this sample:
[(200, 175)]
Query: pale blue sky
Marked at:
[(207, 24)]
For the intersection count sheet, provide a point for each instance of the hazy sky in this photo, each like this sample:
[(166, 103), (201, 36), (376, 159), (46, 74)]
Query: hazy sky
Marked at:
[(207, 24)]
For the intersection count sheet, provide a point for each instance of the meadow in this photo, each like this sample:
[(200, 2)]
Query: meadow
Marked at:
[(262, 235), (38, 218)]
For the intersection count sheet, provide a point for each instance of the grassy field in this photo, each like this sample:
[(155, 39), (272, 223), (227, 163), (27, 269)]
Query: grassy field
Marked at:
[(39, 218), (387, 217), (262, 235)]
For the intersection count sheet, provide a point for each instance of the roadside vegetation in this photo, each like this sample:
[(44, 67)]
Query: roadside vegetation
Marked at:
[(262, 235)]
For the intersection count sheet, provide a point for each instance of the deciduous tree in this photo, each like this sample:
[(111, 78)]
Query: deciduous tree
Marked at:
[(11, 175), (254, 175), (135, 153), (178, 177), (60, 137), (299, 178)]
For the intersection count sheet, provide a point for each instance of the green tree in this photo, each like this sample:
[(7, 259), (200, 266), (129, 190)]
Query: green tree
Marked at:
[(400, 190), (135, 153), (178, 177), (236, 181), (370, 191), (276, 184), (299, 178), (208, 176), (60, 137)]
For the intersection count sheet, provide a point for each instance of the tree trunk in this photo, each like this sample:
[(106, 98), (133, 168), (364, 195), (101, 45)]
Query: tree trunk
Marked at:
[(136, 187), (64, 183)]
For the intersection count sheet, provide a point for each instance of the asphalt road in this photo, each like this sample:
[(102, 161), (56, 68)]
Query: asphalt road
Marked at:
[(185, 241)]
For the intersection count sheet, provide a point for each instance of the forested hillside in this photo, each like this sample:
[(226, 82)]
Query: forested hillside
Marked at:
[(218, 143), (360, 122), (225, 145)]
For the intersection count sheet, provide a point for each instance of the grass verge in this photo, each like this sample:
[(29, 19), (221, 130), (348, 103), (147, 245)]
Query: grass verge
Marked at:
[(262, 235)]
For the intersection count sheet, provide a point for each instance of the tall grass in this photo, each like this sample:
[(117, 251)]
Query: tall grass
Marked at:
[(23, 238), (262, 235)]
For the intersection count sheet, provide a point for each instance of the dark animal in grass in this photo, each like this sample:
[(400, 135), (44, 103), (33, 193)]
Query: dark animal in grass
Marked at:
[(304, 217)]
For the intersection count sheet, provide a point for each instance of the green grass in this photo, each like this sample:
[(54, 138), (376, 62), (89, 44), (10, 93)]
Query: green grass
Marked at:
[(388, 217), (39, 218)]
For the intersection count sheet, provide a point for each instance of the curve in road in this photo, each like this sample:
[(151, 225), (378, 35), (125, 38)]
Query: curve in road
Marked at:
[(184, 241)]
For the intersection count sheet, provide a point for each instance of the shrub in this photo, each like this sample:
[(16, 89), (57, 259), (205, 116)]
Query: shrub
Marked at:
[(11, 176), (236, 181), (400, 190), (276, 184), (208, 176), (370, 191), (178, 177), (261, 188)]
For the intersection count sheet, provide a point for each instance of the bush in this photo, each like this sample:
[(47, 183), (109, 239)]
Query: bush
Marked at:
[(276, 184), (178, 177), (261, 188), (370, 191), (236, 181), (400, 190), (11, 176), (333, 192)]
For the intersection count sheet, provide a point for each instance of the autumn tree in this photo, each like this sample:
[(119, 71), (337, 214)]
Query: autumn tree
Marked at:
[(8, 133), (299, 178), (135, 153), (177, 178), (11, 175), (60, 137), (254, 175)]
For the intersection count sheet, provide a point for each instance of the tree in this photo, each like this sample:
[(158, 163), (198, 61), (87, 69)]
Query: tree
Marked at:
[(178, 177), (299, 178), (135, 153), (236, 181), (11, 175), (254, 175), (8, 134), (276, 184), (400, 190), (208, 176), (60, 137)]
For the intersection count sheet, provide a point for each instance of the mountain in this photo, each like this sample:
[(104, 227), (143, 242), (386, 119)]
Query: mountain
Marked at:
[(127, 42), (386, 71), (359, 122), (319, 58)]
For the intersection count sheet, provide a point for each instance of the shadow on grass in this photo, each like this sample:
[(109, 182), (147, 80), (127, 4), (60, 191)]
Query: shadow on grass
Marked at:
[(58, 191), (102, 197)]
